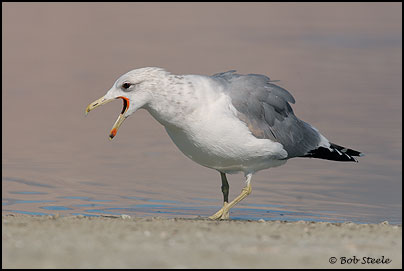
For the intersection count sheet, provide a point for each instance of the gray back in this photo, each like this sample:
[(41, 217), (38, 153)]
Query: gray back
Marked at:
[(265, 108)]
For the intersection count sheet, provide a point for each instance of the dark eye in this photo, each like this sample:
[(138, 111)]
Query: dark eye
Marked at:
[(125, 86)]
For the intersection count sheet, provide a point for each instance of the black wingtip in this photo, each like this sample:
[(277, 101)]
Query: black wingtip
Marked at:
[(335, 153)]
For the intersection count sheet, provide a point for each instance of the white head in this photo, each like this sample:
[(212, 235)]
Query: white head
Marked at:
[(135, 89)]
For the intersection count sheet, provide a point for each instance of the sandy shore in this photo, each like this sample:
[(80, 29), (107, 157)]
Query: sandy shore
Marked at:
[(125, 242)]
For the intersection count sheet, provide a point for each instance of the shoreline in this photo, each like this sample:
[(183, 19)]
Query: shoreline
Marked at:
[(128, 242)]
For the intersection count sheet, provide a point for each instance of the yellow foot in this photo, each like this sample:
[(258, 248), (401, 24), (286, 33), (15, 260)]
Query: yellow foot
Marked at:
[(222, 213)]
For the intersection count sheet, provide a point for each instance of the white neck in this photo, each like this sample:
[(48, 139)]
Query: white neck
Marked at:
[(172, 99)]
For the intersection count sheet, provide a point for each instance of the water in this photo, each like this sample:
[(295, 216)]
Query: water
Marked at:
[(342, 62), (151, 207)]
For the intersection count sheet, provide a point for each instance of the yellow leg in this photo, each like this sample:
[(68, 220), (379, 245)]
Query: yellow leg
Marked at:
[(224, 212), (219, 214)]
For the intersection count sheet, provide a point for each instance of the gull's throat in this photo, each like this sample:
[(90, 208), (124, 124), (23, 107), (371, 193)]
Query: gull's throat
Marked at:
[(125, 104)]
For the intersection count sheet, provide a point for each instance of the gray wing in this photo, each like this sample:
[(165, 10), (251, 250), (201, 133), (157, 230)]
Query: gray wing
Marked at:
[(265, 109)]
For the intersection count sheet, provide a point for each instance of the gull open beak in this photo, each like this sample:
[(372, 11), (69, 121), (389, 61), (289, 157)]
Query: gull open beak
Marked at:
[(121, 116)]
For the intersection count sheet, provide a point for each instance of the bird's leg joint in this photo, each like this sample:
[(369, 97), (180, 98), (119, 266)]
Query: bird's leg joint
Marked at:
[(247, 190)]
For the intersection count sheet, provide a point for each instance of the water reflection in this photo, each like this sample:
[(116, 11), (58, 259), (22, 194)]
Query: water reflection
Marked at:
[(169, 208)]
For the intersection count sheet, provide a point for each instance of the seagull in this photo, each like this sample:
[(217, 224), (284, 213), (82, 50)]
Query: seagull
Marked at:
[(228, 122)]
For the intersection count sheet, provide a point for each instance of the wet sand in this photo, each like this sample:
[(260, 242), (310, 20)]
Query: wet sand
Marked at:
[(126, 242)]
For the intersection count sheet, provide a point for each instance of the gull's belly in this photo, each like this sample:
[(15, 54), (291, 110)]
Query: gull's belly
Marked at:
[(228, 150)]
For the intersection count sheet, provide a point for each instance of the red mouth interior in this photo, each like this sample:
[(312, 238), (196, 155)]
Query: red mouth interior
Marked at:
[(125, 104)]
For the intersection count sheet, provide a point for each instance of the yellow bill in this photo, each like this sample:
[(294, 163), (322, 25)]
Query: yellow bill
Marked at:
[(121, 116)]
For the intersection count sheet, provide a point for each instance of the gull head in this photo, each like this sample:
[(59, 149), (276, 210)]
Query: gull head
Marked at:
[(135, 88)]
